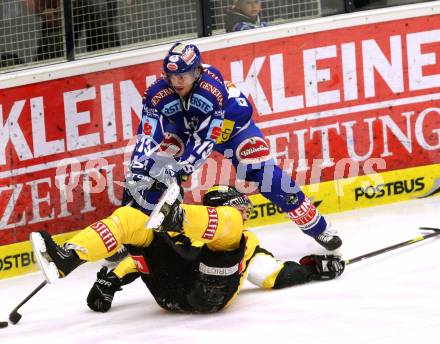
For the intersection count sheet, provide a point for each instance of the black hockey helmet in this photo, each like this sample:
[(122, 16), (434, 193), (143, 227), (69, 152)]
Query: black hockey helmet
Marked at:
[(225, 195)]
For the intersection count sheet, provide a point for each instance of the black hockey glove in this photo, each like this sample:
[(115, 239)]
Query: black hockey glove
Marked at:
[(101, 295), (323, 267), (174, 216)]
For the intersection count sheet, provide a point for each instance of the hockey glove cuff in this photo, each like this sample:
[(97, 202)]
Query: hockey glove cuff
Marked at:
[(324, 267)]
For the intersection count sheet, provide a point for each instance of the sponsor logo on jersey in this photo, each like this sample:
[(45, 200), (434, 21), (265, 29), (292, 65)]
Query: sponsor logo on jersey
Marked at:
[(253, 150), (241, 101), (105, 234), (160, 95), (172, 107), (215, 130), (201, 103), (217, 271), (390, 189), (172, 145), (211, 228), (213, 90), (227, 128), (150, 112), (306, 215), (141, 264), (215, 133), (149, 126)]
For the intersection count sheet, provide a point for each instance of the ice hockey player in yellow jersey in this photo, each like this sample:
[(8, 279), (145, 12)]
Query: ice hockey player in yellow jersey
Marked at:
[(192, 258)]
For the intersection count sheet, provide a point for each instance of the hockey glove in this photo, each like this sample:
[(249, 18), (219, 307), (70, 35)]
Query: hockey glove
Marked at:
[(169, 209), (101, 295), (323, 267)]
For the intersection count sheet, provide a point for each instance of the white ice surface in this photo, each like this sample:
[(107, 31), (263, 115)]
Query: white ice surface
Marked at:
[(392, 298)]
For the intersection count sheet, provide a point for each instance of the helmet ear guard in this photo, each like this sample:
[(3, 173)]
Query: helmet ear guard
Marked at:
[(182, 58), (224, 195)]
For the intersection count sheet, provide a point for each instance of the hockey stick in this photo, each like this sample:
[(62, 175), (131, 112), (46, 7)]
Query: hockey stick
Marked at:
[(436, 231), (14, 316)]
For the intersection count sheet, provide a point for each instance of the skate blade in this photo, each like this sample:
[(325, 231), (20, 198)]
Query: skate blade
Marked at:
[(48, 268), (169, 197)]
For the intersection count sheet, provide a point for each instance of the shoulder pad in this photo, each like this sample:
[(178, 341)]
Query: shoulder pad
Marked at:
[(211, 88)]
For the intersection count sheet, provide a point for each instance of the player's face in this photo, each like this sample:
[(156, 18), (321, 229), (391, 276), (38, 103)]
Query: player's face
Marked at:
[(250, 8), (182, 83)]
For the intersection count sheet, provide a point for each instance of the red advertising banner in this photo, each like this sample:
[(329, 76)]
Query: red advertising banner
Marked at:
[(332, 104)]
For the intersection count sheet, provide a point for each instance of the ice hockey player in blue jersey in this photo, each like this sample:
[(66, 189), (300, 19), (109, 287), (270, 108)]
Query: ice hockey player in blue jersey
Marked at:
[(192, 111)]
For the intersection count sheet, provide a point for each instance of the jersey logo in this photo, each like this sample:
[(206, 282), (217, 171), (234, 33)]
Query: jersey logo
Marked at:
[(241, 101), (215, 134), (172, 145), (215, 130), (141, 264), (211, 228), (201, 103), (213, 90), (172, 107), (160, 95), (149, 126), (227, 128), (218, 271), (253, 150), (105, 234)]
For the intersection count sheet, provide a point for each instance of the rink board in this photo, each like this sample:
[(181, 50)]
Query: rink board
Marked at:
[(357, 192), (362, 87), (18, 259)]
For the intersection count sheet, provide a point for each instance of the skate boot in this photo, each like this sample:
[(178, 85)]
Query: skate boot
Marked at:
[(329, 239), (54, 260), (167, 215)]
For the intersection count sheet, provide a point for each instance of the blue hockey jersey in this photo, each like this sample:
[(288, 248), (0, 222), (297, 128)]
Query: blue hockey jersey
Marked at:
[(213, 112)]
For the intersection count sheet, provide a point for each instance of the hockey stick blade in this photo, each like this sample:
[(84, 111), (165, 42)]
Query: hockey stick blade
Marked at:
[(429, 229), (436, 231), (14, 316)]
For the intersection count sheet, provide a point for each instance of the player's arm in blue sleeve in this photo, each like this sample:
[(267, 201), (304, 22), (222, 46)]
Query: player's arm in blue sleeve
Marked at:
[(149, 137)]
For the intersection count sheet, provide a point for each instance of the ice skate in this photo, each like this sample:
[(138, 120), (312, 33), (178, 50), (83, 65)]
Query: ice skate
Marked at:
[(329, 239), (54, 260)]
